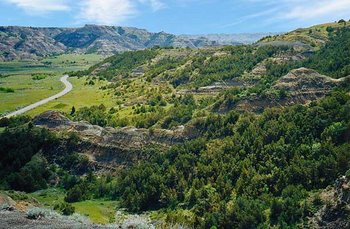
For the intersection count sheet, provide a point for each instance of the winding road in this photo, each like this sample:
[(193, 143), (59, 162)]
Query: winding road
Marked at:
[(64, 80)]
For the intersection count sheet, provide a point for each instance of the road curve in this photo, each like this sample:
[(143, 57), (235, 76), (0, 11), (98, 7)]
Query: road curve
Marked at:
[(64, 80)]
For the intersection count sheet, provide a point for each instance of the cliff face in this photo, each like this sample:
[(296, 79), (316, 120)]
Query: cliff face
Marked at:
[(110, 146)]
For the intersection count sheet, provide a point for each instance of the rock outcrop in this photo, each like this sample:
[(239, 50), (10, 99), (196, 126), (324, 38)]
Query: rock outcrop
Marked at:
[(112, 146), (306, 80), (299, 86)]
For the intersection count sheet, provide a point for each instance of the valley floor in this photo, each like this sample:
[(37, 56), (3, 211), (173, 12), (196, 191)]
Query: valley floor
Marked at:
[(68, 88)]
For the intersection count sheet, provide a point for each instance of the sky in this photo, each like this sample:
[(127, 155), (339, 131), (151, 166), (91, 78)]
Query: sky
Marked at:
[(177, 16)]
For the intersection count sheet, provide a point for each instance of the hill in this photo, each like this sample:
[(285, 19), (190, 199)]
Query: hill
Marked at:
[(231, 39), (29, 42), (306, 38)]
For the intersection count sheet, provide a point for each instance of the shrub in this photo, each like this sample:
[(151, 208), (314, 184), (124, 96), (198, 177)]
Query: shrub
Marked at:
[(7, 90), (74, 195), (37, 213), (65, 208)]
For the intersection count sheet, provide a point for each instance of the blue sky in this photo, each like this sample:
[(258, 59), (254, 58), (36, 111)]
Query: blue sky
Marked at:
[(177, 16)]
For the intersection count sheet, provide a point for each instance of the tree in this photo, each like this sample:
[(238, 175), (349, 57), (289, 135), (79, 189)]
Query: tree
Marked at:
[(73, 111), (74, 195)]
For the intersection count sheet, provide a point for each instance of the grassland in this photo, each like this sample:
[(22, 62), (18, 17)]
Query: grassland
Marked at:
[(98, 211), (82, 95), (27, 90), (19, 77), (55, 64)]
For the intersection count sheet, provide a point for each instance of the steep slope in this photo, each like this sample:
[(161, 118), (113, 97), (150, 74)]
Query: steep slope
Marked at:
[(28, 43)]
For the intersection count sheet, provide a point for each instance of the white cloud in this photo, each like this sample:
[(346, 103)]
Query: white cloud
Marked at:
[(113, 11), (90, 11), (155, 4), (106, 11), (33, 6)]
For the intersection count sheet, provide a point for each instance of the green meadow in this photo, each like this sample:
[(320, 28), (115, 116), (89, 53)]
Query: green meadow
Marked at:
[(55, 64), (98, 211), (26, 88), (82, 95)]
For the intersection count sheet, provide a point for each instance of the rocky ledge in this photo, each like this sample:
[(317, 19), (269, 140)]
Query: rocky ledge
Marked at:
[(112, 146), (299, 86)]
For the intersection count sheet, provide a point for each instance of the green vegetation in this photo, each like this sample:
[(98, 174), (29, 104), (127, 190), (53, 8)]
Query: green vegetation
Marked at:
[(7, 90), (23, 168), (26, 91), (120, 64), (332, 59), (315, 36), (234, 62), (264, 163), (222, 178), (99, 211), (29, 82), (56, 64), (39, 76), (64, 208), (241, 170), (82, 95)]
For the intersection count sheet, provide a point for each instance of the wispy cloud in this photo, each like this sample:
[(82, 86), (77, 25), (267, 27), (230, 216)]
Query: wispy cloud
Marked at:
[(251, 16), (305, 10), (317, 9), (33, 6), (271, 12)]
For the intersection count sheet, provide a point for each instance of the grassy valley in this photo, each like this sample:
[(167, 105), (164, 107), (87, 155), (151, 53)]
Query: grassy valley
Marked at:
[(33, 81)]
